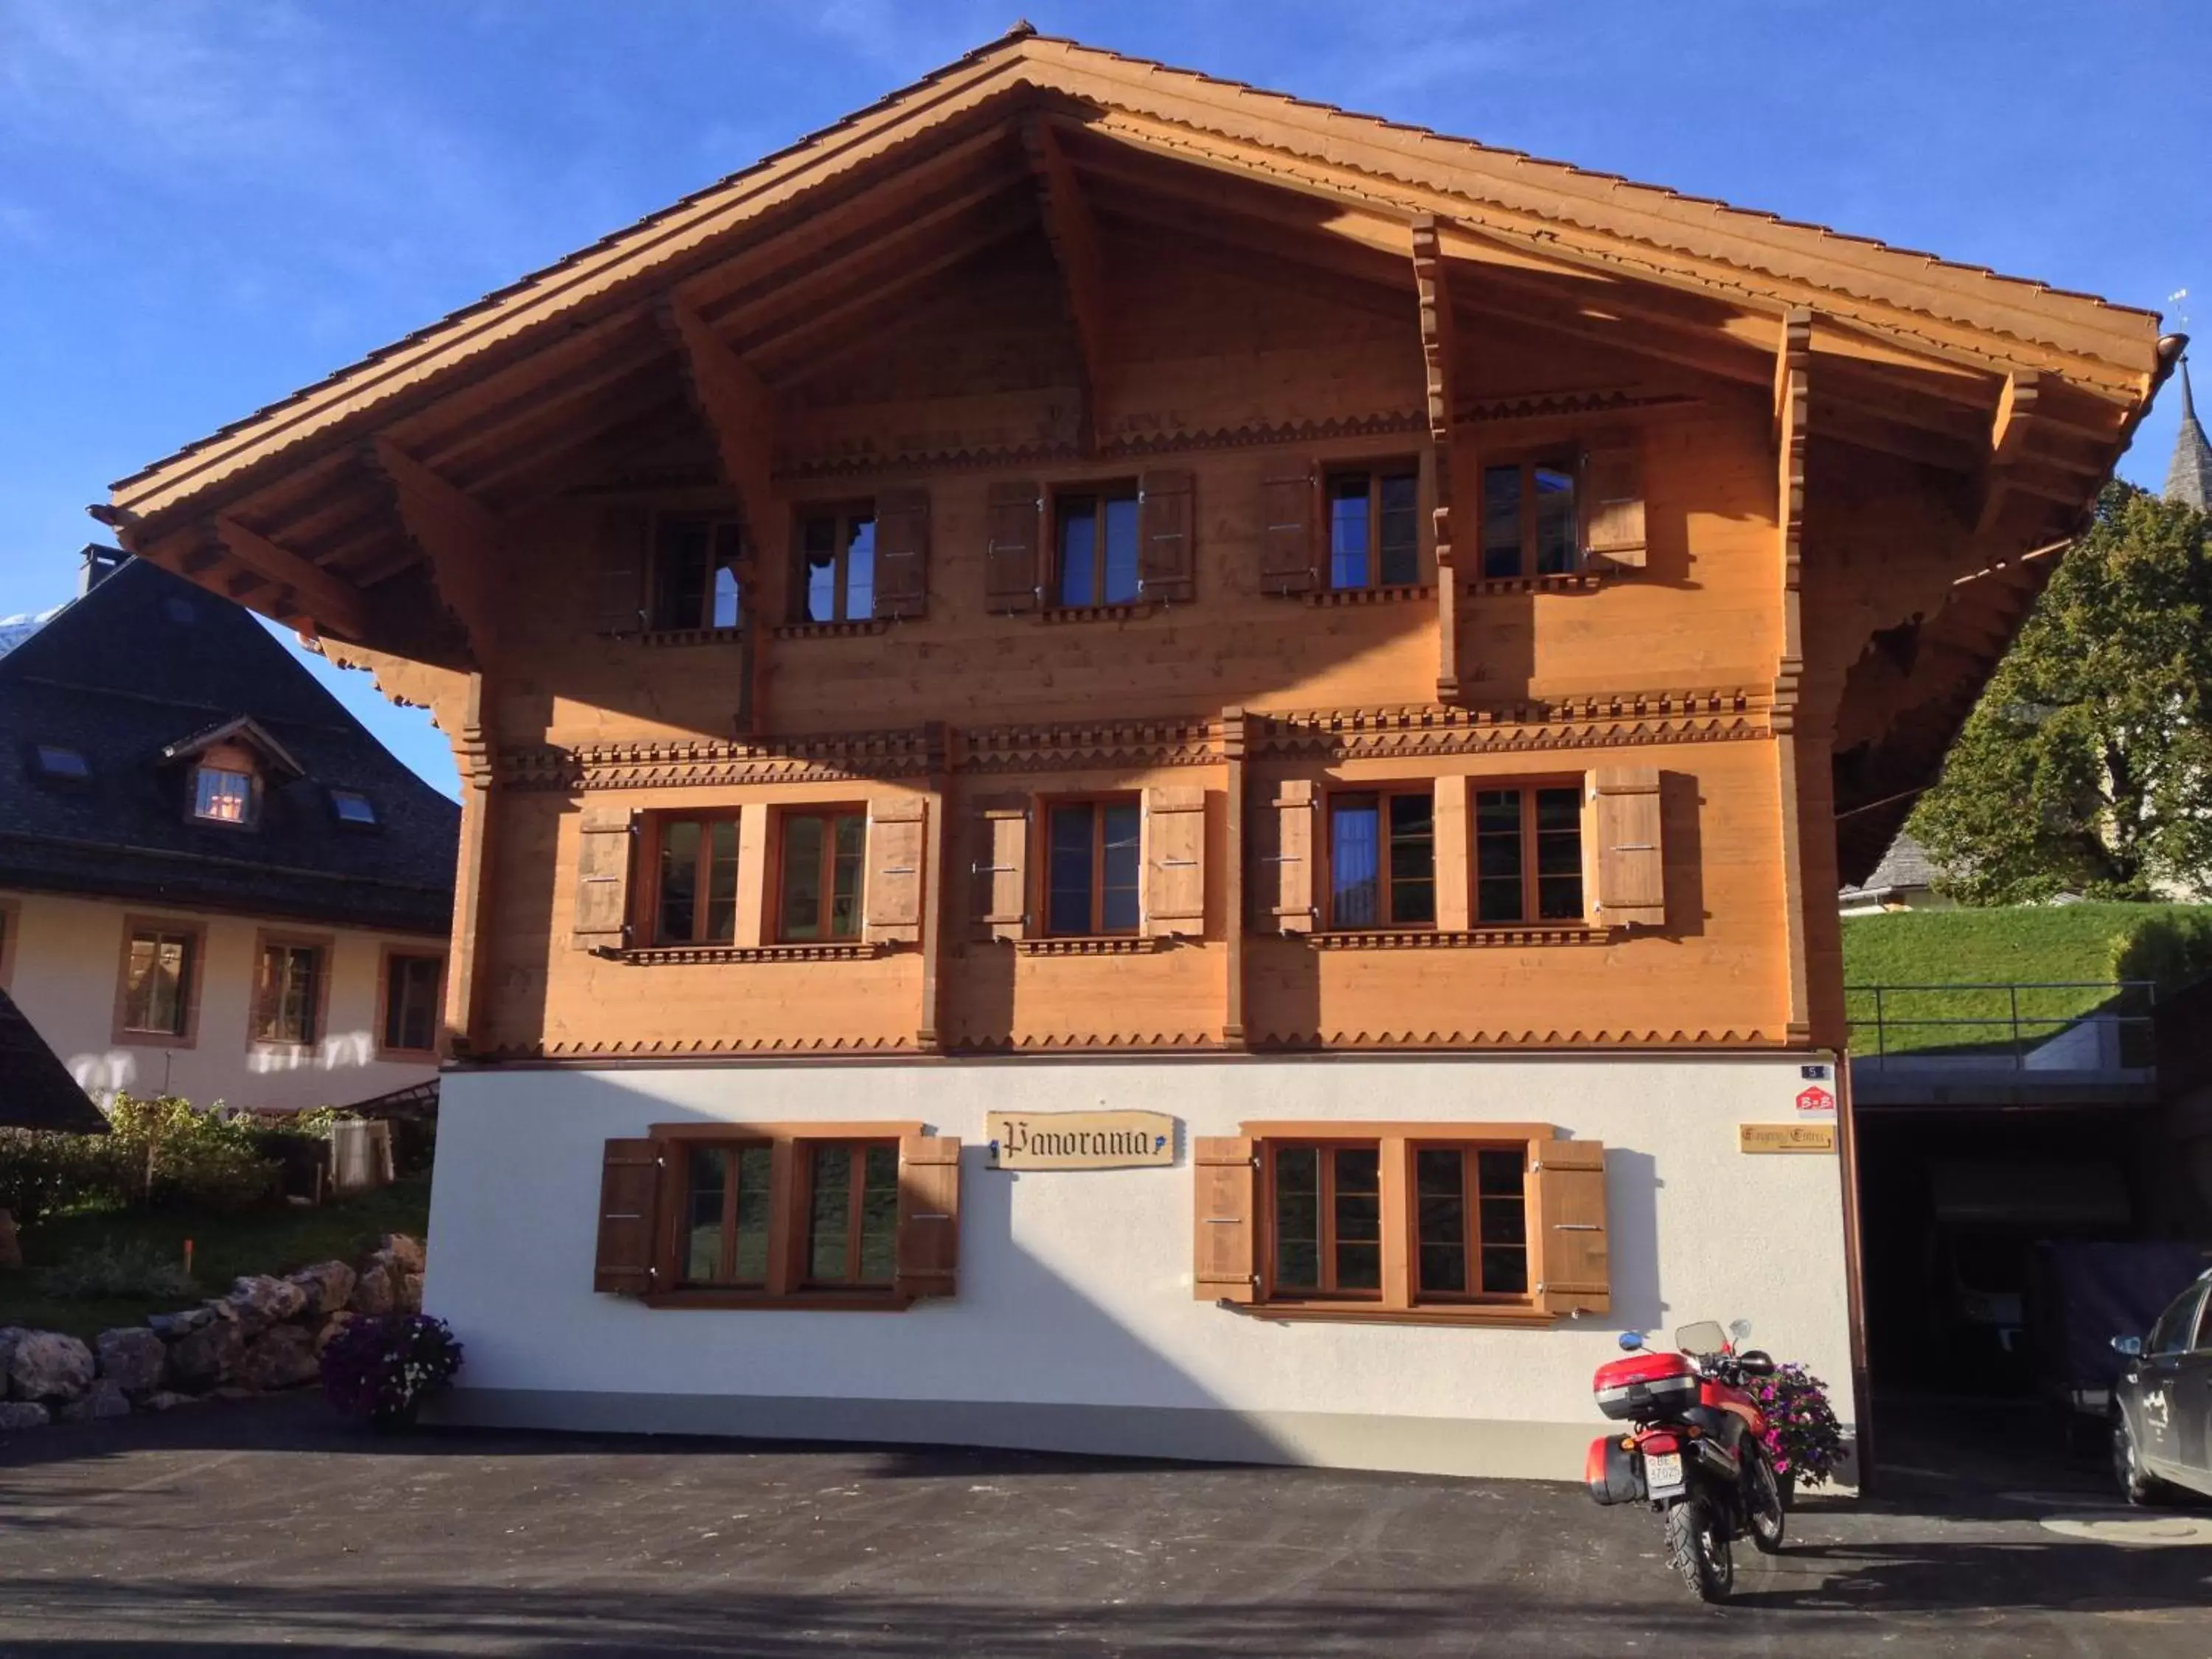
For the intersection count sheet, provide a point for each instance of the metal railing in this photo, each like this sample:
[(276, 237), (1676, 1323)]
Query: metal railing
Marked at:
[(2113, 1030)]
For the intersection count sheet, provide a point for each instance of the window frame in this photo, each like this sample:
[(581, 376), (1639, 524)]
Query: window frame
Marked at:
[(856, 1151), (779, 863), (844, 514), (722, 555), (646, 905), (1375, 471), (11, 929), (1386, 884), (1327, 1293), (339, 796), (1531, 914), (386, 954), (1472, 1242), (1098, 801), (195, 935), (251, 815), (727, 1279), (325, 946), (1550, 459), (1098, 492)]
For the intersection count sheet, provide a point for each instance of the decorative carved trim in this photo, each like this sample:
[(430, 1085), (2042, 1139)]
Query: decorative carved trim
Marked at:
[(1753, 1037), (659, 636), (1090, 1042), (834, 630), (648, 763), (1429, 939), (1111, 743), (1636, 718), (1118, 945), (1331, 597), (1095, 613), (692, 955), (1562, 405), (701, 1047), (1571, 582)]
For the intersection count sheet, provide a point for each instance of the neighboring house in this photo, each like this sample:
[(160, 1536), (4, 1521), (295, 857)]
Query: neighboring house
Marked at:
[(1905, 880), (1085, 588), (214, 882)]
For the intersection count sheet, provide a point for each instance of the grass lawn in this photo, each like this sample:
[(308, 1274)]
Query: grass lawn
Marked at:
[(2089, 944), (224, 1247)]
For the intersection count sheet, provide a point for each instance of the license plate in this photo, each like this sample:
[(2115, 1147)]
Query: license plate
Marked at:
[(1662, 1472)]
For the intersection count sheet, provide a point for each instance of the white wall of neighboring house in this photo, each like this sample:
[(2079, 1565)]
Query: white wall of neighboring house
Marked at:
[(63, 966)]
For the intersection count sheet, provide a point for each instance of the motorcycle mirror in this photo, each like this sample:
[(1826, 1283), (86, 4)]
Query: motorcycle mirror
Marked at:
[(1739, 1328), (2129, 1346), (1631, 1340)]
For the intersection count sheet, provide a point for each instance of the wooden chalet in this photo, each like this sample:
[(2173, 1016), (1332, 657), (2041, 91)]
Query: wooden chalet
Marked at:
[(1088, 588)]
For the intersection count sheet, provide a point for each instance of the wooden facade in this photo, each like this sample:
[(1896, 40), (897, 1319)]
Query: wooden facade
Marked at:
[(1814, 483)]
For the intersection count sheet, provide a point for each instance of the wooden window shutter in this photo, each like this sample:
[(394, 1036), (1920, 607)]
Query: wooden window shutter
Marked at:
[(629, 1190), (1010, 556), (1631, 886), (1002, 869), (1612, 503), (1223, 1263), (928, 1215), (1166, 560), (1566, 1208), (902, 553), (1288, 898), (1174, 861), (1286, 543), (896, 832), (603, 866), (625, 534)]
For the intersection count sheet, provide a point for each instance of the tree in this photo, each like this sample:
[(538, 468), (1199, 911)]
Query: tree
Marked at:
[(2086, 767)]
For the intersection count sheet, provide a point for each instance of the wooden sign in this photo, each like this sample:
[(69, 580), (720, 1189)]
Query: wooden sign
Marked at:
[(1786, 1137), (1081, 1140)]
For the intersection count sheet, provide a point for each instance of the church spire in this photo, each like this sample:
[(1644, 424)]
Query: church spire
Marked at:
[(2190, 478)]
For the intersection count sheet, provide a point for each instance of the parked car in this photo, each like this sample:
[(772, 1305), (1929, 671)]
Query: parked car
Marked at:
[(2078, 1292), (2163, 1406)]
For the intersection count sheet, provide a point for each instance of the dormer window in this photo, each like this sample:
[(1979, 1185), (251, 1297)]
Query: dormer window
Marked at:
[(351, 806), (61, 764), (223, 795)]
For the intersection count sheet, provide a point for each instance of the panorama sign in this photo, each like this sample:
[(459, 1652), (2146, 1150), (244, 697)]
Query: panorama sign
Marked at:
[(1081, 1140)]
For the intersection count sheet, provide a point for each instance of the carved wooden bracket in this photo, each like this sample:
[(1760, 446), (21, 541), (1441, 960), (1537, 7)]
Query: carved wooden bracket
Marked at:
[(1792, 407), (459, 536), (1439, 336), (737, 407), (330, 604), (2009, 432), (1073, 234)]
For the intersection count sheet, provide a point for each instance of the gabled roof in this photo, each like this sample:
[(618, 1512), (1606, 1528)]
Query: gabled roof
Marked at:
[(147, 666), (242, 729), (36, 1090), (2190, 477)]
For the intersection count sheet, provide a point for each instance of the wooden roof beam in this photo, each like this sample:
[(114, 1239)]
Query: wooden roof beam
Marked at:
[(2008, 435), (330, 604), (1072, 231), (461, 538), (1440, 388), (736, 404)]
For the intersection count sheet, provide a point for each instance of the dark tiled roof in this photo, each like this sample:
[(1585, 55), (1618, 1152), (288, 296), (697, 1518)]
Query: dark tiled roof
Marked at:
[(36, 1090), (1905, 864), (2190, 478), (147, 660)]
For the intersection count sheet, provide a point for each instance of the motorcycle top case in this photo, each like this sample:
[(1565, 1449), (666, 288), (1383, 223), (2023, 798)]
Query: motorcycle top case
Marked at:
[(1645, 1385)]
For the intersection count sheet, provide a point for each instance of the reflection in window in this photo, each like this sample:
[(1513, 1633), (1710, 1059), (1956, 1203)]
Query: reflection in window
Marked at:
[(696, 897), (726, 1215), (695, 577), (823, 853), (65, 765), (1097, 539), (1374, 529), (157, 982), (852, 1233), (1093, 873), (1383, 859), (1528, 853), (287, 994), (1530, 522), (352, 806), (1472, 1217), (410, 1002), (1328, 1218), (837, 565)]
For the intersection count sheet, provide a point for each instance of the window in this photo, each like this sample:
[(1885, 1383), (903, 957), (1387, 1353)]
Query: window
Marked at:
[(1374, 528), (836, 564), (1528, 523), (695, 897), (411, 985), (2172, 1332), (1383, 859), (61, 764), (1095, 538), (220, 795), (1528, 853), (852, 1214), (694, 573), (351, 806), (1092, 869), (288, 992), (818, 893), (1329, 1220), (159, 965), (728, 1201), (1472, 1221)]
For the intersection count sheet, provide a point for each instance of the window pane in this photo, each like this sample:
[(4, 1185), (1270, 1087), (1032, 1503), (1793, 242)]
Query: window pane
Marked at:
[(722, 880), (410, 1000), (1555, 520), (829, 1219), (157, 988), (1505, 1272), (679, 573), (1354, 866), (710, 1177), (801, 909), (1297, 1218), (1347, 532), (1412, 859), (1498, 858), (1118, 895), (1401, 560), (879, 1216), (1068, 878), (818, 545), (1440, 1193), (1078, 533), (1359, 1208), (1558, 854), (1501, 521), (1120, 550), (1502, 1178), (726, 612), (225, 797), (679, 879), (755, 1167), (852, 833), (287, 993), (860, 570)]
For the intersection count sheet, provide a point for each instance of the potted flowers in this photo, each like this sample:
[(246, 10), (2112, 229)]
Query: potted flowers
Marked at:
[(381, 1370), (1802, 1434)]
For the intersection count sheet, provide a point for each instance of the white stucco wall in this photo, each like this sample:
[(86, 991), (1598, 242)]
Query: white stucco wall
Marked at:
[(1075, 1288), (65, 961)]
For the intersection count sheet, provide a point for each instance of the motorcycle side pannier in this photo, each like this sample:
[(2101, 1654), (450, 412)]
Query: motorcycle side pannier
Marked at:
[(1645, 1385), (1615, 1474)]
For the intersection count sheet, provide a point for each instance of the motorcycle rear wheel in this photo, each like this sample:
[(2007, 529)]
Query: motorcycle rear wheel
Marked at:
[(1765, 1511), (1697, 1548)]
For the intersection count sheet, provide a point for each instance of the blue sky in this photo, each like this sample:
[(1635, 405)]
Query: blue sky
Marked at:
[(203, 206)]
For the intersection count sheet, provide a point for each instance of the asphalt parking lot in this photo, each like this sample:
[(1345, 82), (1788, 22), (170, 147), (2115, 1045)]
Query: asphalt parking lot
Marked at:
[(250, 1527)]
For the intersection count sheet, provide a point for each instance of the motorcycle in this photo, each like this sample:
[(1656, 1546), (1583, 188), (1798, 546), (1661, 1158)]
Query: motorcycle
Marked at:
[(1695, 1450)]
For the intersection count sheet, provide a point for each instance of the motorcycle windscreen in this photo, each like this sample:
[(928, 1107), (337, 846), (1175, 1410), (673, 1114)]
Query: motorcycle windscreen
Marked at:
[(1701, 1338)]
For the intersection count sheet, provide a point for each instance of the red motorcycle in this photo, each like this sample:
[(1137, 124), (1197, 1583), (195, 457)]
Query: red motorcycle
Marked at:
[(1696, 1450)]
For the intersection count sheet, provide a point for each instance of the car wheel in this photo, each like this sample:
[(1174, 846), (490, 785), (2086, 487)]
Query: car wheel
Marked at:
[(2136, 1484)]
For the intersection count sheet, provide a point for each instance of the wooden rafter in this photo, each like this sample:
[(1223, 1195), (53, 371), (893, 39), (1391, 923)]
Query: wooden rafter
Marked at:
[(1439, 341), (1072, 230), (2010, 430), (330, 605), (736, 404), (461, 538), (1792, 410)]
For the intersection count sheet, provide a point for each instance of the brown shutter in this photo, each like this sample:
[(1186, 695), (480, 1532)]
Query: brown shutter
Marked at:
[(897, 829), (902, 553), (1286, 895), (1166, 560), (1010, 556), (1174, 861), (1222, 1182), (603, 865), (629, 1185), (1566, 1206), (1612, 503), (623, 531), (928, 1215), (1631, 875), (1287, 535), (1002, 869)]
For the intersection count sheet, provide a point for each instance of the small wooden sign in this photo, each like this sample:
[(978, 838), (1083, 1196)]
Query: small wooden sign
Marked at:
[(1081, 1140), (1785, 1137)]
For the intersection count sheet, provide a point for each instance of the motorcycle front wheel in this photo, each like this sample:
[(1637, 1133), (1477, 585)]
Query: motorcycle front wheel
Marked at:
[(1699, 1549), (1762, 1505)]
